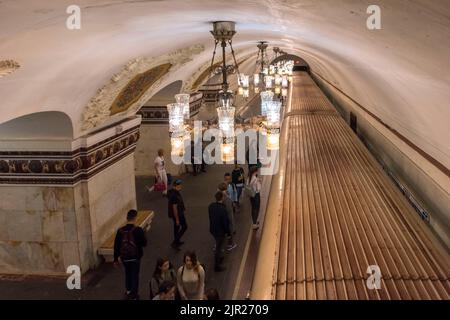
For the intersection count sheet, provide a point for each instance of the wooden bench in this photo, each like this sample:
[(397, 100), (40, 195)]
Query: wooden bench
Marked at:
[(143, 220)]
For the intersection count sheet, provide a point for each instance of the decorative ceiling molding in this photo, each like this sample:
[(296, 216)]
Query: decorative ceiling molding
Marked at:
[(201, 75), (103, 106), (7, 67), (137, 87)]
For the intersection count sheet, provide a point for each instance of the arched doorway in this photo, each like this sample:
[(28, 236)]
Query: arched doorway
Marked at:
[(154, 131), (299, 63)]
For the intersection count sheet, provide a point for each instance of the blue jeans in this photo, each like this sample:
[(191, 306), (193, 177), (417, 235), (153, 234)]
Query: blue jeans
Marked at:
[(239, 192)]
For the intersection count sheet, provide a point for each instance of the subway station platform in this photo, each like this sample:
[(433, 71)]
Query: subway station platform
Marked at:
[(107, 282)]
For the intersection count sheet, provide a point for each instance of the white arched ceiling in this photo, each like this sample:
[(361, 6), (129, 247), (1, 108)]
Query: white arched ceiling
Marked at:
[(400, 73), (38, 126)]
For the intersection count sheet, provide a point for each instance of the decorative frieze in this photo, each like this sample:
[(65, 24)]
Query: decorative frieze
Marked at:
[(210, 95), (154, 115), (159, 114)]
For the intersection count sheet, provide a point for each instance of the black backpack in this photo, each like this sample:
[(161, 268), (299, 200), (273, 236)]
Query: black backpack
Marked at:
[(128, 248)]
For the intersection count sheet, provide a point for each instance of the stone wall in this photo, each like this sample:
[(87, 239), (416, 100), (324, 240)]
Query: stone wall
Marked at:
[(111, 194), (154, 137), (38, 230), (58, 207)]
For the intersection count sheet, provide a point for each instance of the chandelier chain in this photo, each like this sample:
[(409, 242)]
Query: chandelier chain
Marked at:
[(212, 60), (234, 58)]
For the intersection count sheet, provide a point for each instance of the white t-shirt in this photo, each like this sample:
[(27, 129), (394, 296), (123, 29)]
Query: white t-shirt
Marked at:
[(159, 162), (255, 184)]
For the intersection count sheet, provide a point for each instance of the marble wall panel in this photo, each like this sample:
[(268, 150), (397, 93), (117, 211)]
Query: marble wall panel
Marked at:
[(44, 229), (3, 226), (25, 226), (31, 257), (153, 138), (52, 226), (111, 195)]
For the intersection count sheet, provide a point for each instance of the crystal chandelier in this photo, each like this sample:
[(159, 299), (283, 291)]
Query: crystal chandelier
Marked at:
[(244, 85), (274, 77), (273, 139), (177, 141), (176, 117), (268, 81), (183, 98), (223, 32), (273, 125), (258, 79), (266, 97), (273, 114), (262, 63), (176, 128)]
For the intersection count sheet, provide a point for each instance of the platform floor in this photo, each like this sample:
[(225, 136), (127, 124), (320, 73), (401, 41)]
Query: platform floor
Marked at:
[(108, 283)]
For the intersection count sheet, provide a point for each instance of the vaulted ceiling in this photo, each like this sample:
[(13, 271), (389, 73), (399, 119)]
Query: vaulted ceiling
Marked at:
[(400, 73)]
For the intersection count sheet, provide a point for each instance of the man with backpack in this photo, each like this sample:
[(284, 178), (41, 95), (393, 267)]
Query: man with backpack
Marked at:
[(128, 246)]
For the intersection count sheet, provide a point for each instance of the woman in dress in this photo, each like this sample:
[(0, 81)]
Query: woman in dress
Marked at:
[(160, 171)]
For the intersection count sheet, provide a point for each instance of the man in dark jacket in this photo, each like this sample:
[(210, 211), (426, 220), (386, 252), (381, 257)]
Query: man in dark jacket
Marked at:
[(176, 212), (128, 246), (219, 227)]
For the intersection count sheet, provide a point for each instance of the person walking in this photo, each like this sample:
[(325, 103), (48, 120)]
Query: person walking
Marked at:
[(191, 278), (238, 181), (177, 212), (160, 172), (128, 247), (194, 165), (254, 187), (232, 191), (164, 271), (219, 227), (230, 214), (252, 155)]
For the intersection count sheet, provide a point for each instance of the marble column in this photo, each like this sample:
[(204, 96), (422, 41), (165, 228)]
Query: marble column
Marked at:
[(58, 204)]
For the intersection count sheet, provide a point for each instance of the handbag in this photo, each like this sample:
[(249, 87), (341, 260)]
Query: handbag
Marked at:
[(159, 185), (249, 191)]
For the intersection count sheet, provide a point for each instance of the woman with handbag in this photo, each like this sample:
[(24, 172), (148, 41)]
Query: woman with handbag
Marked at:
[(160, 174), (253, 189)]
